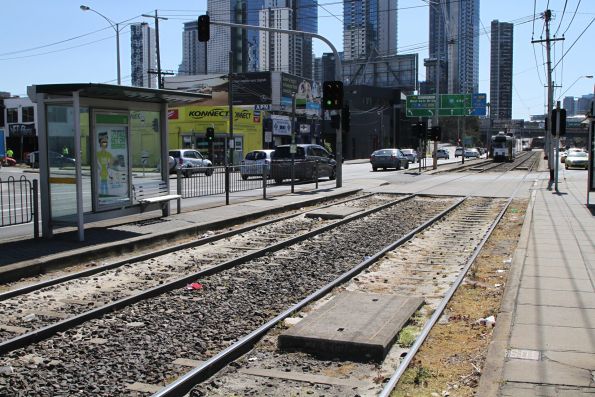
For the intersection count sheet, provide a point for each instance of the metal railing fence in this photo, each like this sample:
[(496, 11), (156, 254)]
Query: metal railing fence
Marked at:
[(19, 202)]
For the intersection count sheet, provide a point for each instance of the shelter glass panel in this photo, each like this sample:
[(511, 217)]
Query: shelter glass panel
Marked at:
[(145, 146)]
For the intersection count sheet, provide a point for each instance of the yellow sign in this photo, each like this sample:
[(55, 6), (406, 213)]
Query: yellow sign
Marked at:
[(243, 116)]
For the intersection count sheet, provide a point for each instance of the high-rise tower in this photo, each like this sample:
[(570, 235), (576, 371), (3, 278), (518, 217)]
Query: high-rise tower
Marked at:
[(143, 55), (454, 40), (501, 70), (369, 26), (194, 53)]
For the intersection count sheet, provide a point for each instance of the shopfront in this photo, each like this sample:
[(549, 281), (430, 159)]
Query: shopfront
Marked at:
[(188, 126), (117, 137)]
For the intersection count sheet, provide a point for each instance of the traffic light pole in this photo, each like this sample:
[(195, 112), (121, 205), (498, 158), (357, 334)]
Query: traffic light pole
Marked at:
[(338, 77)]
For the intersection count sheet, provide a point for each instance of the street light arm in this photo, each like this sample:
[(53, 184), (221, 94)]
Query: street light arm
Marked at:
[(572, 85), (111, 23)]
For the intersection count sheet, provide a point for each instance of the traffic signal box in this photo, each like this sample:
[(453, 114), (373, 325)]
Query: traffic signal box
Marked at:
[(435, 133), (332, 95), (558, 113), (210, 134), (418, 130), (345, 118), (204, 28)]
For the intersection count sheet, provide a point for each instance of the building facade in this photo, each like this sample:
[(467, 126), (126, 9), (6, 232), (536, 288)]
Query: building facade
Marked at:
[(143, 55), (20, 126), (454, 45), (276, 50), (501, 70), (569, 104), (194, 53), (369, 26)]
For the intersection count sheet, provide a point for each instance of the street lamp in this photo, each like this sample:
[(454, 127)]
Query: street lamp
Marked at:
[(116, 28), (575, 81)]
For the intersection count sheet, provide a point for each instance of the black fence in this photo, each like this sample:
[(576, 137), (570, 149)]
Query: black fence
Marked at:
[(219, 180), (19, 202)]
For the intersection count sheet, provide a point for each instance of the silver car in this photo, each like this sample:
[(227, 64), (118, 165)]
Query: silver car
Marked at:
[(411, 155), (388, 158), (255, 163), (190, 161), (577, 160)]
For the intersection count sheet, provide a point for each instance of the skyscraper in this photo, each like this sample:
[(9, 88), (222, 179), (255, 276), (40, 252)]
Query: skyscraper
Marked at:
[(245, 43), (143, 55), (569, 104), (194, 54), (288, 53), (501, 70), (369, 28), (454, 39)]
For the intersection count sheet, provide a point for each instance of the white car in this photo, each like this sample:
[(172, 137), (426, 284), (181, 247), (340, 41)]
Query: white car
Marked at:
[(190, 161), (255, 163), (411, 155)]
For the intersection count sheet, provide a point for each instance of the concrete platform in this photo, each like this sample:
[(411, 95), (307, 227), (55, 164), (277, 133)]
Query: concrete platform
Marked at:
[(333, 212), (352, 326)]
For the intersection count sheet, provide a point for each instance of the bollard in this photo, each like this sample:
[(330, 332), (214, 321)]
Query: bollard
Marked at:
[(35, 209), (316, 172), (226, 184), (179, 189), (264, 182)]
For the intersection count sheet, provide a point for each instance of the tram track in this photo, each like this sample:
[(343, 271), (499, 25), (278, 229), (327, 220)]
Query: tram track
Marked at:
[(429, 265), (193, 324), (80, 296)]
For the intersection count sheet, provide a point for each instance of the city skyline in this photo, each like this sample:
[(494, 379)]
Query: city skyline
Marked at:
[(87, 53)]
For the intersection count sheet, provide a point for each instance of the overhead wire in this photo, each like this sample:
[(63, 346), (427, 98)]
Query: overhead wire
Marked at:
[(572, 19)]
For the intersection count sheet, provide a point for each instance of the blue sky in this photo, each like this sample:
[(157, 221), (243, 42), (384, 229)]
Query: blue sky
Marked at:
[(86, 49)]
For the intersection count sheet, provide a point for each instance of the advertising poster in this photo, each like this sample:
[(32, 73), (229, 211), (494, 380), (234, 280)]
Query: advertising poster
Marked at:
[(307, 94), (2, 144), (112, 165)]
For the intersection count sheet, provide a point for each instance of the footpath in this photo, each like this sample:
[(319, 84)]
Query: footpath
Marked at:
[(544, 341)]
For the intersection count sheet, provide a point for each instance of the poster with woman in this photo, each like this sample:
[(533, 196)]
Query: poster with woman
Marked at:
[(112, 166)]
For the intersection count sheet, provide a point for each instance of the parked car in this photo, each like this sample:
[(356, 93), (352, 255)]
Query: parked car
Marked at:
[(388, 158), (55, 159), (255, 163), (190, 161), (458, 152), (442, 154), (306, 159), (577, 160), (411, 155), (472, 153), (565, 153)]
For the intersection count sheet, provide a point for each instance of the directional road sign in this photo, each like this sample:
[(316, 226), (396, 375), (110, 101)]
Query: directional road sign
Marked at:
[(421, 105)]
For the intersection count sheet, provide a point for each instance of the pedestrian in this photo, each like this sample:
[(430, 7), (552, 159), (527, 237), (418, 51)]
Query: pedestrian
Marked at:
[(9, 153), (65, 151)]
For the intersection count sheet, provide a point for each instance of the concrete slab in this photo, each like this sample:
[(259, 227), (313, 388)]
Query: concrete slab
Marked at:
[(533, 296), (187, 362), (546, 372), (514, 389), (555, 316), (573, 359), (354, 326), (558, 271), (542, 337), (144, 387), (559, 284), (333, 212)]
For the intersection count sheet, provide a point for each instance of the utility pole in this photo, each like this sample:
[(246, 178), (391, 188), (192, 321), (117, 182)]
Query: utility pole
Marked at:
[(157, 18), (230, 104), (547, 16)]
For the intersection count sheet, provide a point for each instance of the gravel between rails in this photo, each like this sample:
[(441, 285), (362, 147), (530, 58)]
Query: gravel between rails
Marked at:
[(425, 266), (47, 306), (141, 343)]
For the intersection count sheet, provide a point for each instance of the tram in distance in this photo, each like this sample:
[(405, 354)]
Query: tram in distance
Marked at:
[(503, 147)]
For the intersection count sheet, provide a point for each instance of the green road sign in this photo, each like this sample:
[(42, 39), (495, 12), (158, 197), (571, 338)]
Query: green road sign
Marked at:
[(421, 105), (453, 101)]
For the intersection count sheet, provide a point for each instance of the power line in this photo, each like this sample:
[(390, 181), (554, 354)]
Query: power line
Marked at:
[(573, 15)]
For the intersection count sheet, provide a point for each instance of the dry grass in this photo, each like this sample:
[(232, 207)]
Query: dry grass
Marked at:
[(450, 360)]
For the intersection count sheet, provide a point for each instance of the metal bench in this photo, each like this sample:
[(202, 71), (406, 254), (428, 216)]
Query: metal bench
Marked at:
[(154, 193)]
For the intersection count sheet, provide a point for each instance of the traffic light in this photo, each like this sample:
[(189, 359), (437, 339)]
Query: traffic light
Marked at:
[(435, 133), (332, 95), (345, 119), (204, 28), (418, 130), (561, 114), (155, 125), (335, 121), (210, 134)]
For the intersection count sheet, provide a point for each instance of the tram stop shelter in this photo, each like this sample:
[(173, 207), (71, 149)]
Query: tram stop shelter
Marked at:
[(102, 151)]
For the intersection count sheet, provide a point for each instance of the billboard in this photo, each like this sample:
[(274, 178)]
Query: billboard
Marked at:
[(307, 94), (251, 88)]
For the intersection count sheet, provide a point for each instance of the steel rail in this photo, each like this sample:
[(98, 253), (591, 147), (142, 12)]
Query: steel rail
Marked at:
[(210, 367), (390, 385), (153, 254), (46, 332)]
